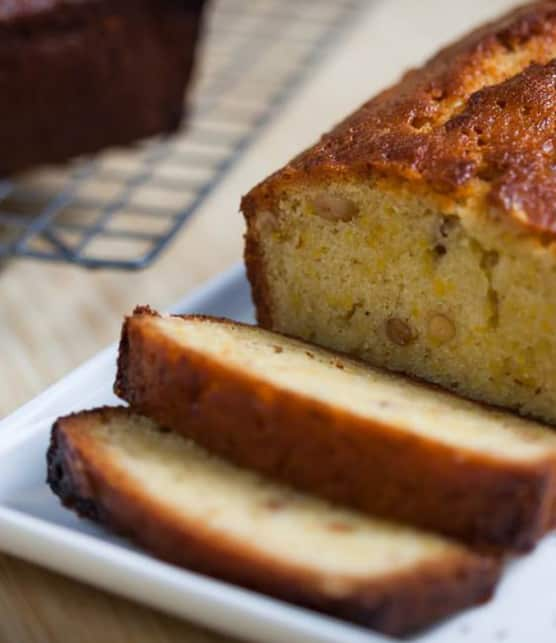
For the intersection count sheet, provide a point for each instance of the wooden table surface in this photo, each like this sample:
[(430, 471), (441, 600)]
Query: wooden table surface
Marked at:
[(54, 317)]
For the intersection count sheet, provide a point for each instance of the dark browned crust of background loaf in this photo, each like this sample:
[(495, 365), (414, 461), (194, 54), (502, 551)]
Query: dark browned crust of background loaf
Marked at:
[(454, 123), (78, 77), (87, 481), (329, 451)]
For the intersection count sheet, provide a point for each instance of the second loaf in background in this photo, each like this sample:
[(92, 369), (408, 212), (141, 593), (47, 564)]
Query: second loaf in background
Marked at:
[(332, 426)]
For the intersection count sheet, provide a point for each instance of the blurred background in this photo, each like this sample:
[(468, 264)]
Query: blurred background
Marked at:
[(81, 244)]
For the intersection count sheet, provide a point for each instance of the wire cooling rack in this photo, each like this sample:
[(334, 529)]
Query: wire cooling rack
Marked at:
[(120, 209)]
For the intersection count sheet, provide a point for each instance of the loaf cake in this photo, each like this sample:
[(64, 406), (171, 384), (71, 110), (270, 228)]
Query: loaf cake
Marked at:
[(419, 234), (193, 509), (76, 77), (332, 426)]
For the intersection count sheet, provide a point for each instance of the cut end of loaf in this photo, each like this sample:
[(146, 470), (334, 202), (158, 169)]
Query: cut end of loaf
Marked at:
[(403, 283), (419, 233)]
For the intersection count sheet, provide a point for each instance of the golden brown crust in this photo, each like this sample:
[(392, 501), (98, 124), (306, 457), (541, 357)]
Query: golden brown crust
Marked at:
[(86, 479), (479, 118), (256, 274), (327, 450)]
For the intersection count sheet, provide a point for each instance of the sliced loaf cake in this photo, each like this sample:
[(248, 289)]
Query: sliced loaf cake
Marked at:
[(379, 442), (420, 233), (196, 510)]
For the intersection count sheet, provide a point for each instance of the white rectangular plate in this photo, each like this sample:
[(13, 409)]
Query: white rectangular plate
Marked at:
[(34, 526)]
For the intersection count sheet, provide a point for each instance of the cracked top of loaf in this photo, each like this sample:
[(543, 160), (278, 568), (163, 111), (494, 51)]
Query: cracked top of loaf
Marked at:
[(477, 121)]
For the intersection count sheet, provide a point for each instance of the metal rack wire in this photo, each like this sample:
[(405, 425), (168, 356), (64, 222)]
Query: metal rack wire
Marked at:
[(106, 212)]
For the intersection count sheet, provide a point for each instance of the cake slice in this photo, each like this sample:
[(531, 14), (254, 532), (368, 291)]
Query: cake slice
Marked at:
[(196, 510), (337, 428), (420, 233), (77, 77)]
